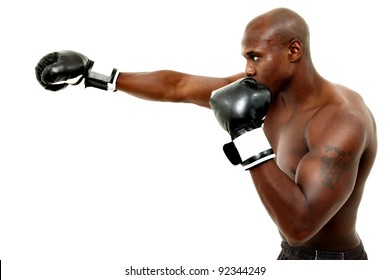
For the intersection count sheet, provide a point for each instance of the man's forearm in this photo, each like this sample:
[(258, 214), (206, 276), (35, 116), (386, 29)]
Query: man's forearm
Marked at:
[(157, 86), (171, 86)]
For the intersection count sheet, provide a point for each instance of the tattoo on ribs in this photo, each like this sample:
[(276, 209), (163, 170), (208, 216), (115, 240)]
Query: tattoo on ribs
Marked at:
[(334, 164)]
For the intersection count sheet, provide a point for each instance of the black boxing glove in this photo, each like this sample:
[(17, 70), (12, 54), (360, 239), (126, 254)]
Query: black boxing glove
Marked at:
[(57, 70), (240, 109)]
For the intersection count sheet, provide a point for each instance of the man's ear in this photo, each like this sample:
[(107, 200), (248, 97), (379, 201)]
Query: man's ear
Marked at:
[(295, 50)]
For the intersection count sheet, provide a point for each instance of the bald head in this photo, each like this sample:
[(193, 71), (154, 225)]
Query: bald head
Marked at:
[(279, 26), (276, 48)]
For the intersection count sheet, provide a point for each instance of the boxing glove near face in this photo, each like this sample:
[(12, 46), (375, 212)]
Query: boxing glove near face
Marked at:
[(240, 106), (240, 109)]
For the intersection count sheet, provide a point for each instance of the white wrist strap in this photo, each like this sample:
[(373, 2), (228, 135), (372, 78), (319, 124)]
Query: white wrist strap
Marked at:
[(112, 86), (251, 143), (251, 147)]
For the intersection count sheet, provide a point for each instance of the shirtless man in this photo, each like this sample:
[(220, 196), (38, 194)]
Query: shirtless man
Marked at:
[(322, 134)]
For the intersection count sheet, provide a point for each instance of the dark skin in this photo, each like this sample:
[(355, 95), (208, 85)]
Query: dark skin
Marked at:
[(323, 135)]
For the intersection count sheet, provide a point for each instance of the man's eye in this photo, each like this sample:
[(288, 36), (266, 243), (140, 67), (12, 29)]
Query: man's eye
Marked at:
[(255, 58)]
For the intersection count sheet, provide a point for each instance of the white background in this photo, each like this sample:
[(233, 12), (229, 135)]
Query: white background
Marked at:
[(93, 182)]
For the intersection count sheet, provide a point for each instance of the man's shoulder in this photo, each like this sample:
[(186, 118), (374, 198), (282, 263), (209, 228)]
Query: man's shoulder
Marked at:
[(343, 113), (343, 102)]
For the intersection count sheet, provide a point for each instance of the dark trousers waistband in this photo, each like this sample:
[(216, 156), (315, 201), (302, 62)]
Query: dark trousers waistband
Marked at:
[(304, 253)]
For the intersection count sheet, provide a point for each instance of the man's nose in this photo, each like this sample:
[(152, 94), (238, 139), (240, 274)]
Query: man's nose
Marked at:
[(250, 72)]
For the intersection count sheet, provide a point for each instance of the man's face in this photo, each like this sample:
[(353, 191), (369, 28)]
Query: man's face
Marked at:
[(266, 59)]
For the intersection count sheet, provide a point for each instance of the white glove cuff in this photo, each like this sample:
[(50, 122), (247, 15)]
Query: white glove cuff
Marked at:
[(251, 143), (249, 149)]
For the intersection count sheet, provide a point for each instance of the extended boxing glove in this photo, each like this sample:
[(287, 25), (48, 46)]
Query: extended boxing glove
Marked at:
[(57, 70), (240, 109)]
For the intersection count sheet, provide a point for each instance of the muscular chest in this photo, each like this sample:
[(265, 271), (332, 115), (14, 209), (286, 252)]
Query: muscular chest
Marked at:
[(287, 136)]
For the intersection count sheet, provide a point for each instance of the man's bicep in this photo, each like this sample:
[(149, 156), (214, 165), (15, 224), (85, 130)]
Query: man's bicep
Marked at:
[(198, 89), (327, 173)]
